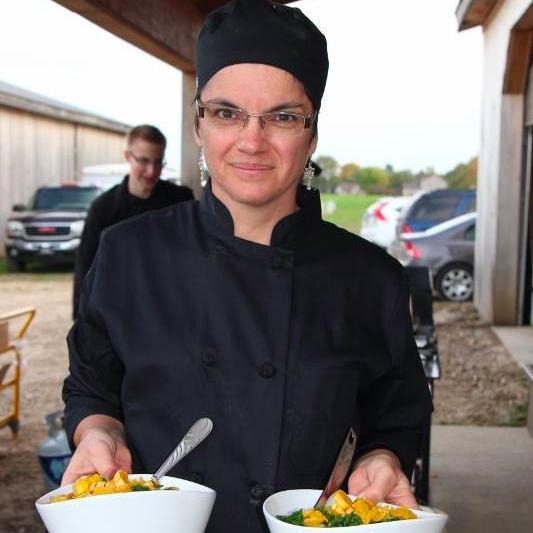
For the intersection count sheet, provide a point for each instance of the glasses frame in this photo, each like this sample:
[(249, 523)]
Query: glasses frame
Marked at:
[(308, 119), (144, 164)]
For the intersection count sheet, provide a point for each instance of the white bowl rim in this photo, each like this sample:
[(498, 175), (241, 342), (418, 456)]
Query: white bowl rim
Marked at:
[(424, 515), (44, 500)]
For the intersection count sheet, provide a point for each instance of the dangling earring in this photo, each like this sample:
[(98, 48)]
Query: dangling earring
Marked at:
[(309, 174), (204, 171)]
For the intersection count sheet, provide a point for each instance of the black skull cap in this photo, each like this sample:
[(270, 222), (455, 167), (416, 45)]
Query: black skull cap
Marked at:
[(263, 31)]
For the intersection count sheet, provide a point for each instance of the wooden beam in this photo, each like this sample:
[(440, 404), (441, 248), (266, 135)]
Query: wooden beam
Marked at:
[(519, 55), (166, 29), (470, 13)]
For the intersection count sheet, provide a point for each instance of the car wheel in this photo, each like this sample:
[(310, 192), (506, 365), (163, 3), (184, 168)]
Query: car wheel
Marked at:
[(455, 283), (15, 265)]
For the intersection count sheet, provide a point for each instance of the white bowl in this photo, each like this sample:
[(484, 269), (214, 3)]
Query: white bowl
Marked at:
[(288, 501), (186, 510)]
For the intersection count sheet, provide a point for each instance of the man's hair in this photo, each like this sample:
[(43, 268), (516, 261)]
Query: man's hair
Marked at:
[(146, 133)]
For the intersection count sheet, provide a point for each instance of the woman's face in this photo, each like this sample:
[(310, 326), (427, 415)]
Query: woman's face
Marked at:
[(252, 165)]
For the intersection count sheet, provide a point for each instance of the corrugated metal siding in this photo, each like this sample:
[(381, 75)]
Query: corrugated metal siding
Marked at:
[(97, 146), (36, 150), (529, 98)]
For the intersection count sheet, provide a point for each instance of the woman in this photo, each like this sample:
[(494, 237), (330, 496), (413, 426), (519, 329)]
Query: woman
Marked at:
[(281, 328)]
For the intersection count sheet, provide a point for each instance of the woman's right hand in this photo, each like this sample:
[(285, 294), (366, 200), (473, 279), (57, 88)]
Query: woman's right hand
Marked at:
[(100, 449)]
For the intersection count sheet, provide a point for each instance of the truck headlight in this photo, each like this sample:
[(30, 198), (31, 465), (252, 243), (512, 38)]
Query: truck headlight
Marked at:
[(15, 228), (76, 228)]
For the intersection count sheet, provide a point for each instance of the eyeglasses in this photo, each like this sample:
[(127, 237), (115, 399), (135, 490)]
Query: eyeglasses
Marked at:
[(231, 118), (145, 162)]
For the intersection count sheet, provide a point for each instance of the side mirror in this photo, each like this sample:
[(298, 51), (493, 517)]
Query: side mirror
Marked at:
[(19, 207)]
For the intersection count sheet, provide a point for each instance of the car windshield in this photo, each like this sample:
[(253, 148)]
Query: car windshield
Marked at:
[(434, 208), (67, 198)]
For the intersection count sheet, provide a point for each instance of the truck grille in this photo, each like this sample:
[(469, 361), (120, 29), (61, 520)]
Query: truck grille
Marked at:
[(46, 231)]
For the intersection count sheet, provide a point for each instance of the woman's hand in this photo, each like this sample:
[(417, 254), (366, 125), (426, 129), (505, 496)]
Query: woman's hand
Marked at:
[(378, 476), (100, 448)]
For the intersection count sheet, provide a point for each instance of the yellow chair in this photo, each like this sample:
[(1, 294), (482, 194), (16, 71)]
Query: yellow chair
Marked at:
[(10, 362)]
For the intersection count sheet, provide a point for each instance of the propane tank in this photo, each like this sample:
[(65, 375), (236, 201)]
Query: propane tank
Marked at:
[(54, 452)]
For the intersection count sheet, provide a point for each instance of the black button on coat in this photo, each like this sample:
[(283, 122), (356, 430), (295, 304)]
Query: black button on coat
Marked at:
[(331, 319)]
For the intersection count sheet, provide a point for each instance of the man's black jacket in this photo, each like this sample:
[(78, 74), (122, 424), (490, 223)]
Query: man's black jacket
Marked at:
[(113, 206)]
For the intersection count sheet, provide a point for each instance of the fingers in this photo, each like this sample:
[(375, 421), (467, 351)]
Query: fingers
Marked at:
[(402, 494), (378, 477), (74, 470), (383, 481), (123, 458), (97, 452), (358, 481)]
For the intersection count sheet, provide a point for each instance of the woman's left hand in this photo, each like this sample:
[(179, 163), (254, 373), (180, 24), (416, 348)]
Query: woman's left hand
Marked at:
[(378, 477)]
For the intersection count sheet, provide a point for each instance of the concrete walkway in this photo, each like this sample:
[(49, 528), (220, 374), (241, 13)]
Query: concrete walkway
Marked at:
[(518, 341), (482, 477)]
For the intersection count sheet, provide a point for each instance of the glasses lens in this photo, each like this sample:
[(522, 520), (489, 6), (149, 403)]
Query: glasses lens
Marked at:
[(285, 121), (224, 116)]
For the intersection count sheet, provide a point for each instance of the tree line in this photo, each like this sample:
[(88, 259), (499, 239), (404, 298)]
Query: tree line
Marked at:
[(378, 180)]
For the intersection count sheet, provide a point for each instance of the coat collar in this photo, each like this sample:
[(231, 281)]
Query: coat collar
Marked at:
[(287, 231)]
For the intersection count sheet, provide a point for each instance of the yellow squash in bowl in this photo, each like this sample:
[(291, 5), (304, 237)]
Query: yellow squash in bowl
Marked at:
[(95, 485), (345, 512)]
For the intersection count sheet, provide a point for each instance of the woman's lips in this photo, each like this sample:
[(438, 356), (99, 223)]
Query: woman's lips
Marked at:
[(251, 167)]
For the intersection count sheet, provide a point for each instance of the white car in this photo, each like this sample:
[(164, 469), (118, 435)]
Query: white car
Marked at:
[(379, 220)]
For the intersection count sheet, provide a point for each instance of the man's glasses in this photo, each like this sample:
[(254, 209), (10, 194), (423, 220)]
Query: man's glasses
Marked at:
[(226, 117), (145, 162)]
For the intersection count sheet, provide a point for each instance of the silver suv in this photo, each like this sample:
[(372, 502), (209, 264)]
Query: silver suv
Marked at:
[(48, 228)]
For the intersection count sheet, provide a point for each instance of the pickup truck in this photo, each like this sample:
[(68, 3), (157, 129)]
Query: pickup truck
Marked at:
[(49, 228)]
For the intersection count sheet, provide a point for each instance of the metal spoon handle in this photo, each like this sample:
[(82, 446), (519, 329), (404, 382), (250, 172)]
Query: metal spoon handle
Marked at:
[(198, 432)]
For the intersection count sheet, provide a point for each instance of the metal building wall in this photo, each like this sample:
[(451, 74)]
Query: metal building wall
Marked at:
[(36, 150)]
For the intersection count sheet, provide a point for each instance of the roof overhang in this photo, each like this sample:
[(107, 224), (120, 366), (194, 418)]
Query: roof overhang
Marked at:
[(470, 13), (166, 29), (50, 109)]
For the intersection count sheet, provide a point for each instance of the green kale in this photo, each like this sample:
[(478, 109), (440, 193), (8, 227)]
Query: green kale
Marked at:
[(296, 518), (138, 487), (391, 519), (335, 520)]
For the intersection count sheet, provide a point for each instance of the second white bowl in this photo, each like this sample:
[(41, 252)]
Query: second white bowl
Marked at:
[(288, 501)]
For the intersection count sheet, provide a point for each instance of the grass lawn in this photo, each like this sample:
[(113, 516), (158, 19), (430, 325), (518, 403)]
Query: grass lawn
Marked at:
[(349, 209)]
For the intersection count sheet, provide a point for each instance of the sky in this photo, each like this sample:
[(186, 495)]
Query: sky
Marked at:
[(404, 86)]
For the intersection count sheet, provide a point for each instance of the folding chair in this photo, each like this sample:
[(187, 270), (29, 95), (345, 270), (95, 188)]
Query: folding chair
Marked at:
[(10, 363), (426, 342)]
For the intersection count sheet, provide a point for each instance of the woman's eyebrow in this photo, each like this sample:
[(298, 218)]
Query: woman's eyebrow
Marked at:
[(285, 105), (277, 107), (221, 101)]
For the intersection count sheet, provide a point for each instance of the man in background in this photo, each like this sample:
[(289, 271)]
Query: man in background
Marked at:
[(140, 191)]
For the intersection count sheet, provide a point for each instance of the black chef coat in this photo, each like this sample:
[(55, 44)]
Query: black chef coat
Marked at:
[(284, 347), (113, 206)]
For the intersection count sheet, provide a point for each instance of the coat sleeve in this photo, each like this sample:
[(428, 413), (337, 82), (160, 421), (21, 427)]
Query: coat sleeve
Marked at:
[(95, 370), (395, 407), (86, 253)]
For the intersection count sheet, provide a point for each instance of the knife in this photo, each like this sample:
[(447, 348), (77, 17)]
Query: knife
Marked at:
[(342, 464)]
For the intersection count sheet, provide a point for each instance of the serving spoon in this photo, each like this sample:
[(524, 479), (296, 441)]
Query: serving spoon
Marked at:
[(198, 432)]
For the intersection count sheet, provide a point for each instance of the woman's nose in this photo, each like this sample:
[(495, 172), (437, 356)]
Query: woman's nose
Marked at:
[(252, 136)]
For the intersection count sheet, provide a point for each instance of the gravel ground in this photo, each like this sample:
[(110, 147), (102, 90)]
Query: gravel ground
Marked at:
[(480, 385)]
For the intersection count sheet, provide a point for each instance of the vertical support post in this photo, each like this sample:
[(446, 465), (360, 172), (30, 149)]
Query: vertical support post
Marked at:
[(189, 171)]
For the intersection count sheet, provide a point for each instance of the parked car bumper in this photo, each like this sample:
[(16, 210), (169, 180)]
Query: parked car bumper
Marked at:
[(59, 251)]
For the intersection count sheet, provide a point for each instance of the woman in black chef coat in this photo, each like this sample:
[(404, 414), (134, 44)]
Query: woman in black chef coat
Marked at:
[(246, 307)]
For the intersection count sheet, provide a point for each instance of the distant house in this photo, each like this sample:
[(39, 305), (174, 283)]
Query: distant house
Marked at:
[(348, 188), (44, 141), (428, 183)]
